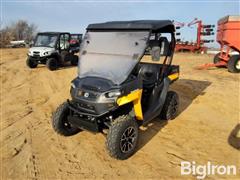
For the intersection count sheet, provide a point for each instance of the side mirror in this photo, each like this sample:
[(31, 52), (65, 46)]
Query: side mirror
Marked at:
[(156, 53)]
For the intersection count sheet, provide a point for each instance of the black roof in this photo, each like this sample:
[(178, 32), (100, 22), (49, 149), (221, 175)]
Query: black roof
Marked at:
[(153, 25)]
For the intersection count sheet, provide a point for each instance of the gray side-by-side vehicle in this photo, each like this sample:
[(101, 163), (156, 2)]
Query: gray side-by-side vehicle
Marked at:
[(125, 70)]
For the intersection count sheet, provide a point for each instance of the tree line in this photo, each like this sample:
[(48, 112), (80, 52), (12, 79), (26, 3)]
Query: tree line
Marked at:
[(19, 30)]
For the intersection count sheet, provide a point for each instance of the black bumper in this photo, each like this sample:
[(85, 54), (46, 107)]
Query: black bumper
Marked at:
[(85, 124), (84, 119)]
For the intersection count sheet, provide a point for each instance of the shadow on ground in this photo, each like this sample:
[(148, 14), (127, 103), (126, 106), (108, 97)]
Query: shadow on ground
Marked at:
[(188, 90), (146, 134), (67, 66)]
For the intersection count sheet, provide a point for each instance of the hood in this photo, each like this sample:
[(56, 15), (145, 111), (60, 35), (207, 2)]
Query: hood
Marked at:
[(93, 84), (42, 51)]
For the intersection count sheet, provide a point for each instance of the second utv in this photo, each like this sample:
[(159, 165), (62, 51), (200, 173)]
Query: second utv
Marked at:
[(52, 49)]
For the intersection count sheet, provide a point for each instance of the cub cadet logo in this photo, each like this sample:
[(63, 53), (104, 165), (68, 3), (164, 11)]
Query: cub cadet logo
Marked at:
[(201, 171)]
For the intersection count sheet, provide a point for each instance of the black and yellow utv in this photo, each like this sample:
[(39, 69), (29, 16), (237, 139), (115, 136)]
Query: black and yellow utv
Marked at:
[(121, 83)]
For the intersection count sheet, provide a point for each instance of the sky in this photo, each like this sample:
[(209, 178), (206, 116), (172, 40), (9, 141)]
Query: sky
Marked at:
[(74, 15)]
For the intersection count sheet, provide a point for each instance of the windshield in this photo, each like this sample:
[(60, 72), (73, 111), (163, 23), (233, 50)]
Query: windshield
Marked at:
[(111, 55), (48, 40)]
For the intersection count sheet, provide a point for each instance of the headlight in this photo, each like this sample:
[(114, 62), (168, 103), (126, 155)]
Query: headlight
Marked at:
[(46, 53), (110, 96), (113, 94)]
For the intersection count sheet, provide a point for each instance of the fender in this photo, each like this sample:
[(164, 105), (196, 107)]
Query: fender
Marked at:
[(135, 97)]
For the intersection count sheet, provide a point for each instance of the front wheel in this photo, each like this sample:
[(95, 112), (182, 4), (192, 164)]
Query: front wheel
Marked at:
[(170, 107), (234, 64), (122, 137), (52, 64), (60, 121), (31, 63)]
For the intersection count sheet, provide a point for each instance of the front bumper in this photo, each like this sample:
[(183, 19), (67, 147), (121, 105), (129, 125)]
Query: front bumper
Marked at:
[(90, 108), (38, 59), (85, 124), (83, 119)]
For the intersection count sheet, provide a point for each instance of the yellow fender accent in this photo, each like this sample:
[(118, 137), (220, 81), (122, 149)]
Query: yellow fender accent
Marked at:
[(173, 76), (135, 97)]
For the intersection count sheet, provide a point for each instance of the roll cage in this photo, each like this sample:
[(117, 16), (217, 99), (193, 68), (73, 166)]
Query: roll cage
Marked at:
[(57, 45)]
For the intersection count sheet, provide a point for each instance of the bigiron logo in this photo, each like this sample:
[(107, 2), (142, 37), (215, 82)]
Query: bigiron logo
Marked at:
[(201, 171)]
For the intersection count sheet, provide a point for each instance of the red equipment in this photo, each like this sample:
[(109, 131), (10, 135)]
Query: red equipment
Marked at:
[(198, 46), (228, 36), (178, 25)]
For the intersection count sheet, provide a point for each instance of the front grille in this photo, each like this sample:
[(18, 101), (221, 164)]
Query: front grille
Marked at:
[(36, 53), (86, 107), (92, 95)]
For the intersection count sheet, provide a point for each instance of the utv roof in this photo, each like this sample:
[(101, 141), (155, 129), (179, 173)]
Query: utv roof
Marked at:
[(151, 25), (53, 32)]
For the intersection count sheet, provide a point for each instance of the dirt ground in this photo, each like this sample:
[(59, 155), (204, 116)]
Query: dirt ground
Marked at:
[(30, 149)]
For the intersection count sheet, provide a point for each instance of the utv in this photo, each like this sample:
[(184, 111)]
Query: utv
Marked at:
[(75, 42), (52, 49), (114, 92)]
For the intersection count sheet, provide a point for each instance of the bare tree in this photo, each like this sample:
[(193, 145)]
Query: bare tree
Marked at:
[(19, 30), (5, 36), (31, 32)]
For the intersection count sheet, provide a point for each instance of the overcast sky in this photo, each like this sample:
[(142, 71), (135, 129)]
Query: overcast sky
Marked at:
[(74, 16)]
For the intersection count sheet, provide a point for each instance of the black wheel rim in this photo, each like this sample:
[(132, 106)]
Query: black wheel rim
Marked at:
[(65, 122), (67, 125), (128, 140)]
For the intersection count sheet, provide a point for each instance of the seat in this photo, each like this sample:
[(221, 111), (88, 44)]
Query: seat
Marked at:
[(153, 43), (163, 43), (149, 73)]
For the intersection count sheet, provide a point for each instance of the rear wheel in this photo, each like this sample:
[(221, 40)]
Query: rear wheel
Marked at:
[(52, 64), (170, 107), (234, 64), (64, 56), (60, 122), (74, 60), (31, 63), (122, 137)]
